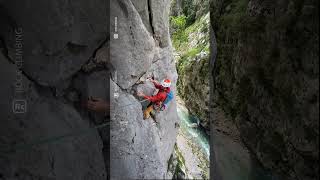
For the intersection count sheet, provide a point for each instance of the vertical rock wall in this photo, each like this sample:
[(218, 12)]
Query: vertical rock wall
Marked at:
[(266, 80), (140, 149), (47, 47), (65, 60)]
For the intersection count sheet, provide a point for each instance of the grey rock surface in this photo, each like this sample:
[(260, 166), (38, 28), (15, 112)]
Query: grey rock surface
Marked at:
[(56, 44), (75, 157), (68, 57), (57, 37), (140, 149), (160, 21), (132, 53), (143, 7)]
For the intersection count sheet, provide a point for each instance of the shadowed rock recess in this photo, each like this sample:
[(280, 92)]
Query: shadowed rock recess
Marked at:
[(65, 47), (266, 80)]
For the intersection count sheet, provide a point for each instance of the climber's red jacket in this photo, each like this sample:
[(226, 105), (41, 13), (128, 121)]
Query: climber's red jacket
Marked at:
[(160, 96)]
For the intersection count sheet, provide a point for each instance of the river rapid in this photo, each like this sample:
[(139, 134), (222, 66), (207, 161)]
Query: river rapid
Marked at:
[(233, 161)]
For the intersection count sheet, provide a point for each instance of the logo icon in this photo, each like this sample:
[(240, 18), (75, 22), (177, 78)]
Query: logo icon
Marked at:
[(115, 35), (19, 106)]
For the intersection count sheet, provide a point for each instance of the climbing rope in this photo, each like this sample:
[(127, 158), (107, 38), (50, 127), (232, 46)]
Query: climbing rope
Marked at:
[(25, 146)]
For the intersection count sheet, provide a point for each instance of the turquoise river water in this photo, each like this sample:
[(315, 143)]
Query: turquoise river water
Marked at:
[(234, 163)]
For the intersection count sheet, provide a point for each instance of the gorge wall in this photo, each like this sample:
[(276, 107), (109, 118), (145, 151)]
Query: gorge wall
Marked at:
[(65, 55), (45, 48), (190, 35), (266, 80), (139, 148)]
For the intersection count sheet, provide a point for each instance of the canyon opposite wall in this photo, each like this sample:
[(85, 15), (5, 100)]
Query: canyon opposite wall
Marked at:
[(266, 80)]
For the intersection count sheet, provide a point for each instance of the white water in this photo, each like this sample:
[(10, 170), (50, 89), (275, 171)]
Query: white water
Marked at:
[(196, 134), (234, 161)]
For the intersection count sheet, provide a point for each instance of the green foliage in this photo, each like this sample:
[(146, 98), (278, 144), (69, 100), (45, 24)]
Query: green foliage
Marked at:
[(186, 64), (181, 160), (237, 16), (178, 22), (197, 24), (190, 11), (179, 35), (193, 52), (190, 37), (181, 163), (170, 164), (179, 38)]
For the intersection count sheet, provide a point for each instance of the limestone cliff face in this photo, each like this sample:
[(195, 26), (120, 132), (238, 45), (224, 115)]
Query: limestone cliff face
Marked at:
[(45, 49), (266, 80), (67, 57), (139, 148)]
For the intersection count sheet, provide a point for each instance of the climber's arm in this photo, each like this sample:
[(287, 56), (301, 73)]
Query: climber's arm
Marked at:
[(155, 98), (156, 84)]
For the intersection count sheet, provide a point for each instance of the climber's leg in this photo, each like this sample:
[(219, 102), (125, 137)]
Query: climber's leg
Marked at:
[(146, 113)]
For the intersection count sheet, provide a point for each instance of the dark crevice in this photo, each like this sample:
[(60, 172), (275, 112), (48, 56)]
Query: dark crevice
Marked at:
[(136, 82), (76, 48), (52, 164), (100, 46), (124, 8), (142, 74), (132, 36), (6, 18), (96, 66), (150, 16), (123, 89), (3, 47), (94, 119)]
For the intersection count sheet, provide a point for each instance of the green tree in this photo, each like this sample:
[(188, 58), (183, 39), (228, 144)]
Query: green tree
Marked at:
[(179, 35), (189, 11)]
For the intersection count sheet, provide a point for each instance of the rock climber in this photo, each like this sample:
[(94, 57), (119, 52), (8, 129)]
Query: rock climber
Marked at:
[(157, 100)]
